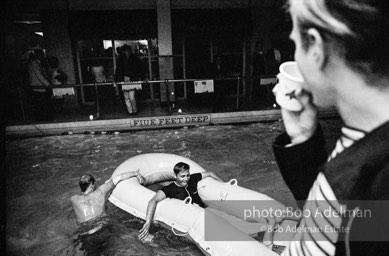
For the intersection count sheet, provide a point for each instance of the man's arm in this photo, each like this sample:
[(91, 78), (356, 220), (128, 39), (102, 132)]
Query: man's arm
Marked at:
[(211, 174), (158, 197), (300, 164), (111, 183), (300, 150)]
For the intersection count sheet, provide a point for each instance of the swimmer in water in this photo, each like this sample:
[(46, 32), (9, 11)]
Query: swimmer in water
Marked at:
[(90, 203)]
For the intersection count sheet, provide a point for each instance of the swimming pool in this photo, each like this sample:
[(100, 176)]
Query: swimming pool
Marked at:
[(43, 172)]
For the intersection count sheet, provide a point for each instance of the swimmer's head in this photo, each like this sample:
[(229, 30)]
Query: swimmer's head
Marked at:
[(86, 181), (182, 174)]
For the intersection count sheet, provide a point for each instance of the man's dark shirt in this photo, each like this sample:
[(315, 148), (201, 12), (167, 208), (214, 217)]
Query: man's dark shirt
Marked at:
[(174, 191), (131, 67)]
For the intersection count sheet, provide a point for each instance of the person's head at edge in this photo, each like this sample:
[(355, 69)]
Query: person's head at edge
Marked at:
[(338, 39), (182, 174), (87, 183), (126, 50)]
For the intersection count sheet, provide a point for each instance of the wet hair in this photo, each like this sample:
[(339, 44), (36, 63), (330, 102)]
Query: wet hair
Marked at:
[(356, 30), (85, 181), (180, 167)]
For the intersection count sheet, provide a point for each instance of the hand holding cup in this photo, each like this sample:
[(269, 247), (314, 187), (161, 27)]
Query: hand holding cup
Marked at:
[(299, 114), (290, 81)]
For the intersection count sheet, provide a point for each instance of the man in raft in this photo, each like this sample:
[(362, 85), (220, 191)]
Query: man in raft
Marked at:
[(184, 186), (90, 203)]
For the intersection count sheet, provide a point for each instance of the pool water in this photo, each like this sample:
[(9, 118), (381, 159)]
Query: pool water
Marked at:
[(43, 172)]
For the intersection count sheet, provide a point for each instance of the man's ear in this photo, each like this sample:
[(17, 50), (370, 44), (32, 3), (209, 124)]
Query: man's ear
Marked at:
[(316, 48)]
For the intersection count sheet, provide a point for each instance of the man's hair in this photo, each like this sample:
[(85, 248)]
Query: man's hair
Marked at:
[(180, 167), (356, 30), (85, 181)]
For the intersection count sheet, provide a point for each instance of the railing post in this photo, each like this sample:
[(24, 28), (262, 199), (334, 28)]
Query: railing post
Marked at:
[(168, 95), (184, 67), (150, 69), (21, 97), (80, 75), (114, 64), (97, 101), (237, 93)]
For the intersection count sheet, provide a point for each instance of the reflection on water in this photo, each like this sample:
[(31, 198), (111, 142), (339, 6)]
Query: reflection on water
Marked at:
[(43, 173)]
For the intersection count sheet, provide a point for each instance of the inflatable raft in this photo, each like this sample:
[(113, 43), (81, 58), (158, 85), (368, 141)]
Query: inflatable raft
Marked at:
[(188, 219)]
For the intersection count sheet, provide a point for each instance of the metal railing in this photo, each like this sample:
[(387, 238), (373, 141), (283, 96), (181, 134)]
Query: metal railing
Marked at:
[(164, 82)]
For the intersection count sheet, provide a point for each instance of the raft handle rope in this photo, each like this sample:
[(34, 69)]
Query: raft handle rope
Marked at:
[(187, 200), (178, 234), (233, 182)]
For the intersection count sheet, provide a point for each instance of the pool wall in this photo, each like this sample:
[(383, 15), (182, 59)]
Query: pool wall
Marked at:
[(144, 123)]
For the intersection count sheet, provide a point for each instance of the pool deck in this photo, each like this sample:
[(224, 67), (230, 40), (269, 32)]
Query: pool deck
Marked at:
[(176, 120)]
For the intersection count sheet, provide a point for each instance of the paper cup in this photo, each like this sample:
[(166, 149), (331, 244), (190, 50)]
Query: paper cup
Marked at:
[(289, 80)]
